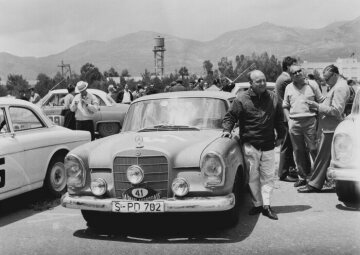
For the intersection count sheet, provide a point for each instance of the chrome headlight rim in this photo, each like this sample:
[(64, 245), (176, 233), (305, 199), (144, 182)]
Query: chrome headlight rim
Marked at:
[(221, 175), (83, 170), (103, 190), (140, 170), (184, 181)]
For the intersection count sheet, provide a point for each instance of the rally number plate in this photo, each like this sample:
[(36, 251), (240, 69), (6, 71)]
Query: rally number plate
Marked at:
[(138, 207)]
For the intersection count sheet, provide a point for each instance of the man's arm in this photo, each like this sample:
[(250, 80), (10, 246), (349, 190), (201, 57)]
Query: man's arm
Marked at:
[(231, 118)]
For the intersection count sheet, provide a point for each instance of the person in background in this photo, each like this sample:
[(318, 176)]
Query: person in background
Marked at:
[(69, 116), (301, 121), (330, 114), (111, 95), (191, 85), (286, 171), (125, 96), (199, 85), (84, 105), (349, 103), (178, 86), (34, 97), (258, 112)]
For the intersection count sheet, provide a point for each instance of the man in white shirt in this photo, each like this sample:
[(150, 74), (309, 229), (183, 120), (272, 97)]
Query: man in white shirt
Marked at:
[(125, 96), (34, 97), (84, 105)]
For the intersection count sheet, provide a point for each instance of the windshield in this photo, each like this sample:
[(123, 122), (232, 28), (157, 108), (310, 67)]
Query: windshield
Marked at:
[(164, 114)]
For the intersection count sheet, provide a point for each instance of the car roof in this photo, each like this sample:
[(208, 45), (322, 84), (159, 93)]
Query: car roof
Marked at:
[(14, 101), (65, 91), (188, 94)]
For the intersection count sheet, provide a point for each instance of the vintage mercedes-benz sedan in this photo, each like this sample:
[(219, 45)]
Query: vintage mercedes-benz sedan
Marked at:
[(107, 121), (169, 157), (345, 157), (32, 149)]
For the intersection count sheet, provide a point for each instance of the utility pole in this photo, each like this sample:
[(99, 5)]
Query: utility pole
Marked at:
[(65, 67)]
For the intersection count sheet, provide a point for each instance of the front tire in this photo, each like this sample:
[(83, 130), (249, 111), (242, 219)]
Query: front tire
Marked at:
[(55, 179), (106, 129), (348, 192)]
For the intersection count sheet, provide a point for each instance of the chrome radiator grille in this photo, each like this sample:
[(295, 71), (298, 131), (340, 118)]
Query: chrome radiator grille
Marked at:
[(155, 173)]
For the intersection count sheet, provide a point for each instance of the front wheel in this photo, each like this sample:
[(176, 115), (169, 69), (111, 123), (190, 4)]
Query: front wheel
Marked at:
[(349, 193), (106, 129), (55, 179)]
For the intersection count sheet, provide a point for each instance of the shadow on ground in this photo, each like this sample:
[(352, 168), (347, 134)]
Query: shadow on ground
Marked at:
[(175, 228), (25, 205)]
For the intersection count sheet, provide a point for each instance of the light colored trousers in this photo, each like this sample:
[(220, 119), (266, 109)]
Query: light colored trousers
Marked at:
[(261, 166)]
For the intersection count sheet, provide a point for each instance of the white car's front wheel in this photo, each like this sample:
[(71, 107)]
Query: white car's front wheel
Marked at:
[(55, 180)]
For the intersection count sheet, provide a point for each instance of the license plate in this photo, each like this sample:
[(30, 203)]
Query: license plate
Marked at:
[(138, 207)]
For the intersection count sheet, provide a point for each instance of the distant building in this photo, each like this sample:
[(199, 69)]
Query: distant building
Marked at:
[(348, 67)]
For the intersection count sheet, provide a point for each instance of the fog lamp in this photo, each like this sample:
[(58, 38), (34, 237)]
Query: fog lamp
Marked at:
[(180, 187), (98, 187), (135, 174)]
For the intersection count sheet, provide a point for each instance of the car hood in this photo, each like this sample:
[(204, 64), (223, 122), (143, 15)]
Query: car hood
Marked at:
[(182, 148)]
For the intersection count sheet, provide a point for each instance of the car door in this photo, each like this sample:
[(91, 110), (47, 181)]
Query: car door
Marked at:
[(12, 160), (35, 138), (53, 106)]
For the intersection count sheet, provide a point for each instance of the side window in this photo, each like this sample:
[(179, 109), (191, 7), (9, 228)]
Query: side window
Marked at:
[(55, 100), (24, 119), (4, 127), (101, 102)]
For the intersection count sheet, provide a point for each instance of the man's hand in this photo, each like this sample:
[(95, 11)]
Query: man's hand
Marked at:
[(226, 134), (313, 106)]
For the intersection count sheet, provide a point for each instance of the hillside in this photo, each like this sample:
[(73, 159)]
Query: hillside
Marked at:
[(134, 51)]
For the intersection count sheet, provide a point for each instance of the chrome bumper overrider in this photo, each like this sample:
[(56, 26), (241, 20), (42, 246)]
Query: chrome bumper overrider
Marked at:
[(191, 204), (341, 174)]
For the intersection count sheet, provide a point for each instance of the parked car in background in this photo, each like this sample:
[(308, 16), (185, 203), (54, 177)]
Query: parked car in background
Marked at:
[(107, 121), (243, 86), (169, 157), (345, 157), (32, 149)]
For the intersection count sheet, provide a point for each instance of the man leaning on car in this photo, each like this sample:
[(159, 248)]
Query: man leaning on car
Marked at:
[(84, 105), (258, 112)]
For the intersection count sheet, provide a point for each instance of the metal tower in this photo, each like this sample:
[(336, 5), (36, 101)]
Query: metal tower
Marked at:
[(159, 50)]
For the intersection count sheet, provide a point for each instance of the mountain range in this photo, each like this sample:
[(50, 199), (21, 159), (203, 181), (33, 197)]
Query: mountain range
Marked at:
[(134, 51)]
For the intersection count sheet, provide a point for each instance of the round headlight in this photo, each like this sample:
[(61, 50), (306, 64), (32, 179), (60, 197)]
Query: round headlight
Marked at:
[(180, 187), (212, 165), (343, 148), (98, 187), (135, 174)]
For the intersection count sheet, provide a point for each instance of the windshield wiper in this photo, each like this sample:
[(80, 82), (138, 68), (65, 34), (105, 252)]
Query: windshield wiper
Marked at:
[(167, 127)]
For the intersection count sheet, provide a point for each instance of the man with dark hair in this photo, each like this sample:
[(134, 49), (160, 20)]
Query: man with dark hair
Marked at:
[(331, 113), (34, 97), (199, 84), (286, 162), (178, 86), (258, 112), (125, 96)]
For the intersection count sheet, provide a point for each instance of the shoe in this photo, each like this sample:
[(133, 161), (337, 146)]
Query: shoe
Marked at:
[(288, 179), (308, 189), (300, 183), (269, 213), (255, 210)]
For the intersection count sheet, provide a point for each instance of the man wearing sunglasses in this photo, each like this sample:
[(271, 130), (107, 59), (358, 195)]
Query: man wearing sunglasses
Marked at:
[(331, 113), (301, 120)]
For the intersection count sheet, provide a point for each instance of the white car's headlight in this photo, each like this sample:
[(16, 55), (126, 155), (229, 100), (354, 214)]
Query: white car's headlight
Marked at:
[(135, 174), (98, 186), (343, 148), (180, 187), (213, 168), (75, 171)]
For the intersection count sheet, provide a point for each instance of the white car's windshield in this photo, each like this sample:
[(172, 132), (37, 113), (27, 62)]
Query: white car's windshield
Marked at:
[(175, 113)]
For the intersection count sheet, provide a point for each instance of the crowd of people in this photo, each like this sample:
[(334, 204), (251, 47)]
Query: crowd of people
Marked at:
[(304, 114)]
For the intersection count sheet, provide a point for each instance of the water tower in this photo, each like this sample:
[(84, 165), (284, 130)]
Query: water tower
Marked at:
[(159, 50)]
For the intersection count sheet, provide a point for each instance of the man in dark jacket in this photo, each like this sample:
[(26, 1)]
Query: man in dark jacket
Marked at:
[(258, 113), (125, 96), (178, 86)]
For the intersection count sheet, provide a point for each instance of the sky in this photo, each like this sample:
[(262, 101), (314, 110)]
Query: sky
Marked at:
[(44, 27)]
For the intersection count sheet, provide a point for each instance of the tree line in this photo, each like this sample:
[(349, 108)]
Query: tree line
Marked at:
[(227, 69)]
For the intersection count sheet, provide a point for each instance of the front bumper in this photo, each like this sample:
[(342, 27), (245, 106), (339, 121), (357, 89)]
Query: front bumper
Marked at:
[(343, 174), (191, 204)]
